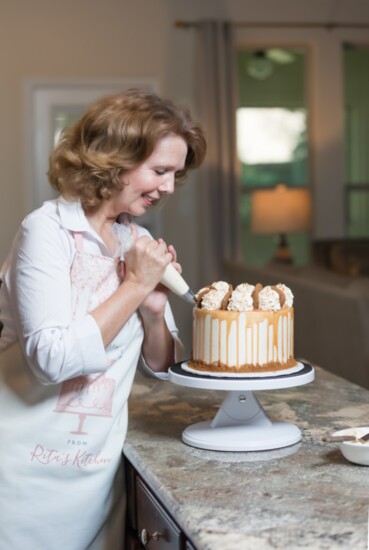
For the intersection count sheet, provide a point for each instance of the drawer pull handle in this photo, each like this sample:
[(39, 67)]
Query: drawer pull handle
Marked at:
[(146, 537)]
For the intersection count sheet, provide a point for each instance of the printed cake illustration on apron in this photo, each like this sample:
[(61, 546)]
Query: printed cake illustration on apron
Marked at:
[(94, 278)]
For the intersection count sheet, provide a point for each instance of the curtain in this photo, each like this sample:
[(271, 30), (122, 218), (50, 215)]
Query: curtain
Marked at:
[(218, 200)]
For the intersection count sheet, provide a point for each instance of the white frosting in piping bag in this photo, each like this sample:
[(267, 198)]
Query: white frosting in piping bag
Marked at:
[(171, 278)]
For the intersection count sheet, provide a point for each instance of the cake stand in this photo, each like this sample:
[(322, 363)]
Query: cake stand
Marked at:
[(241, 424)]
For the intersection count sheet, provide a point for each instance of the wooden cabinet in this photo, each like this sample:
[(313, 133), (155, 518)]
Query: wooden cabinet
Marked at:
[(149, 525)]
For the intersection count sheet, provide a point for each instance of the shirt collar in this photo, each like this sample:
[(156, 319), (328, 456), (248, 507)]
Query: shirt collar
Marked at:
[(72, 215)]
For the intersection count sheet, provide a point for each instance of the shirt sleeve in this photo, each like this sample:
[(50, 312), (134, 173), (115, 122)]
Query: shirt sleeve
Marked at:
[(56, 347), (178, 346)]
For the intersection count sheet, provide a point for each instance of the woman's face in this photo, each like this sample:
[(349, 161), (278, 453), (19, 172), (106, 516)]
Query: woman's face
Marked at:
[(144, 185)]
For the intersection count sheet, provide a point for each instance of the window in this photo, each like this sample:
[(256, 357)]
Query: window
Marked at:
[(272, 138)]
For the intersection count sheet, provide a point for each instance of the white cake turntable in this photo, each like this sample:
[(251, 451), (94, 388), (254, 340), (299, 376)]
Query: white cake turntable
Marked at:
[(241, 424)]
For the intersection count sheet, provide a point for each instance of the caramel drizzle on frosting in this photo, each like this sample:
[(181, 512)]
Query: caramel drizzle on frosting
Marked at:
[(199, 296), (281, 294), (227, 297), (255, 295)]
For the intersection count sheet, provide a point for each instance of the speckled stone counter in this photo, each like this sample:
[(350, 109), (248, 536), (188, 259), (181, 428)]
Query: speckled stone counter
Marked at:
[(303, 496)]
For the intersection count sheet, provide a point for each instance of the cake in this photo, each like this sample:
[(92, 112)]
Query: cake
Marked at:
[(249, 329)]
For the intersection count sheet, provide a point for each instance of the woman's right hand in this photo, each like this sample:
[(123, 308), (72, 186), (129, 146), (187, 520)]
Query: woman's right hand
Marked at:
[(146, 260)]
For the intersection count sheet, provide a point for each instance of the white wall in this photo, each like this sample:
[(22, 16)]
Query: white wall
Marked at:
[(112, 39)]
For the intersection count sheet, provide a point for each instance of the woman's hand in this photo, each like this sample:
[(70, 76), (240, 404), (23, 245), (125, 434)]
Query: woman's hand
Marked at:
[(144, 264), (145, 261), (154, 304), (141, 271)]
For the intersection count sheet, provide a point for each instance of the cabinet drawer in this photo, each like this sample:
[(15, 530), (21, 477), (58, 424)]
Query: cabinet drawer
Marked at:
[(156, 529)]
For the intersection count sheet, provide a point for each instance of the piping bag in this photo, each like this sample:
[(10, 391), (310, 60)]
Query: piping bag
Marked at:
[(171, 278)]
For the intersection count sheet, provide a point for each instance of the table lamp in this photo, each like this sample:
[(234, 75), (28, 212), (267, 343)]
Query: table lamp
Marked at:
[(280, 211)]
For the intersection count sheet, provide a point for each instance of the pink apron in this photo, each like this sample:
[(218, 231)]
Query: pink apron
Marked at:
[(64, 474)]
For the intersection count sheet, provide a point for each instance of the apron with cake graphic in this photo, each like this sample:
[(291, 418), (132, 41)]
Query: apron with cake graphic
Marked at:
[(64, 475)]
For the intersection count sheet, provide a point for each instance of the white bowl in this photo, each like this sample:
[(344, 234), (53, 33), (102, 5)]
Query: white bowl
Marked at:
[(355, 451)]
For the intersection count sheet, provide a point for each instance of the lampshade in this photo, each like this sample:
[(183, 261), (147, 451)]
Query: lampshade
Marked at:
[(280, 210)]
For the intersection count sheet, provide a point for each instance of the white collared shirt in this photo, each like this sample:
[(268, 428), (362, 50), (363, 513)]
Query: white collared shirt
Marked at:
[(35, 300)]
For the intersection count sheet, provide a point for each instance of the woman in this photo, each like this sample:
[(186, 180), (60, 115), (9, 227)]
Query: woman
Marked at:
[(82, 318)]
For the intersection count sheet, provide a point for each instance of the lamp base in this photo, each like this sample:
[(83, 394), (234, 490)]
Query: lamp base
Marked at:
[(283, 253)]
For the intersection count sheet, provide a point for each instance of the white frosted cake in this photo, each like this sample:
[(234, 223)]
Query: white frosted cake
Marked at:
[(248, 329)]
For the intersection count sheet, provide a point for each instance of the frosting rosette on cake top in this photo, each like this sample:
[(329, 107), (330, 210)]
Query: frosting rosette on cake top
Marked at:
[(242, 298), (269, 299), (213, 296), (287, 295), (245, 297)]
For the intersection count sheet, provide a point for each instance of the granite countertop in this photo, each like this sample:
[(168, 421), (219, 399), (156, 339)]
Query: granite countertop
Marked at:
[(306, 495)]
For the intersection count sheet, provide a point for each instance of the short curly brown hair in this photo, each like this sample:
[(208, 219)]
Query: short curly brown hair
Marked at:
[(117, 134)]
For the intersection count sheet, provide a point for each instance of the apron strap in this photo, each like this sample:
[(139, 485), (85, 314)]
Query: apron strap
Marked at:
[(78, 239)]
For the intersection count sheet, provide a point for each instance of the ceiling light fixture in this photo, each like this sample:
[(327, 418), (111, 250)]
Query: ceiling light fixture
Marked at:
[(259, 66)]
